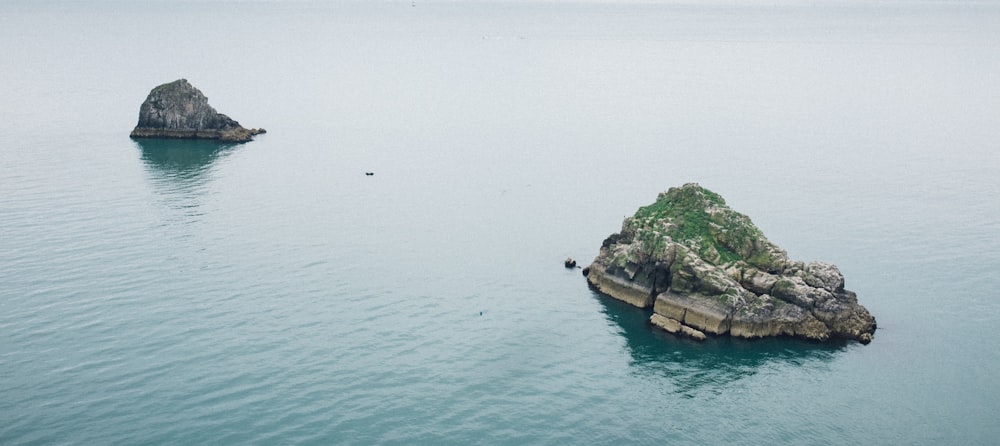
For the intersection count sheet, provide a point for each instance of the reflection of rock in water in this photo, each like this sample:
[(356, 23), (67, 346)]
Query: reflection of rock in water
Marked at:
[(693, 366), (179, 171), (180, 158)]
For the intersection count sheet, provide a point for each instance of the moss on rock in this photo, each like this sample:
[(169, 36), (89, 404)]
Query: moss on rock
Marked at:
[(699, 219), (710, 267)]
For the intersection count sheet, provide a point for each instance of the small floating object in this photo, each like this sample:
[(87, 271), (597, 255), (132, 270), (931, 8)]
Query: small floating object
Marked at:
[(370, 174)]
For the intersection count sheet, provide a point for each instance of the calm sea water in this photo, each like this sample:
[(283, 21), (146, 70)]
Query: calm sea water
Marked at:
[(164, 292)]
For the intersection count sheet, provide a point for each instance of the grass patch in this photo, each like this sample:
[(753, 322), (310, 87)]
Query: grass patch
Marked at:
[(699, 218)]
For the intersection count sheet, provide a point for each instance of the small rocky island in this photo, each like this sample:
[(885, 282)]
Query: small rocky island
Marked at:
[(179, 110), (705, 268)]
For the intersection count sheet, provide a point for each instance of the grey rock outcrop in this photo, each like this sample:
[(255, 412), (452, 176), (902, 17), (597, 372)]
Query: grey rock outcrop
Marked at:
[(179, 110), (704, 268)]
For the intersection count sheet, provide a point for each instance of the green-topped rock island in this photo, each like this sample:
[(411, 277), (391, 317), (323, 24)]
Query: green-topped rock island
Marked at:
[(705, 268), (179, 110)]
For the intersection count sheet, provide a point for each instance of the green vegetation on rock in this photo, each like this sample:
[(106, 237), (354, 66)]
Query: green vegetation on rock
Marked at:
[(702, 265), (699, 219)]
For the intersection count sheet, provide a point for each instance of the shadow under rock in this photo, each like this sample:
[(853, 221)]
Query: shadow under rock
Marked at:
[(719, 360)]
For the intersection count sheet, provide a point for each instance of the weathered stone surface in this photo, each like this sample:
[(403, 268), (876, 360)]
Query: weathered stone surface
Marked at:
[(695, 310), (179, 110), (707, 267), (758, 282), (674, 326), (634, 293), (695, 334), (669, 325), (767, 316)]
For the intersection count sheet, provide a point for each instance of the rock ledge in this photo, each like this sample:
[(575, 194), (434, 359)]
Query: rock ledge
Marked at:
[(704, 268), (179, 110)]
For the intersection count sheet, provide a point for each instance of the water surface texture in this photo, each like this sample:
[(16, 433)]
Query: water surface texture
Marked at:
[(181, 292)]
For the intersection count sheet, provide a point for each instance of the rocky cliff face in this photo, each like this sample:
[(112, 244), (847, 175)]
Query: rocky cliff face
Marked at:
[(703, 267), (179, 110)]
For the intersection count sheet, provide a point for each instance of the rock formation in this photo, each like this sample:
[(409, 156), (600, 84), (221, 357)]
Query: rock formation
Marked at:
[(703, 267), (179, 110)]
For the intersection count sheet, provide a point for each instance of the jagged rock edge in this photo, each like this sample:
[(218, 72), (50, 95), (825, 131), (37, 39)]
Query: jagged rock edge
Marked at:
[(811, 324)]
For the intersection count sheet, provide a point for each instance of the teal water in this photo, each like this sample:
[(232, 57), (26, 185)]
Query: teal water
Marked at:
[(178, 292)]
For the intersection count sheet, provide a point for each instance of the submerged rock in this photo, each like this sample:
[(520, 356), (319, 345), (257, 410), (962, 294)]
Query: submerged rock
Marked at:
[(702, 266), (179, 110)]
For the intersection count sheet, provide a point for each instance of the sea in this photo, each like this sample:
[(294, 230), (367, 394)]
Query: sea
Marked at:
[(171, 292)]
